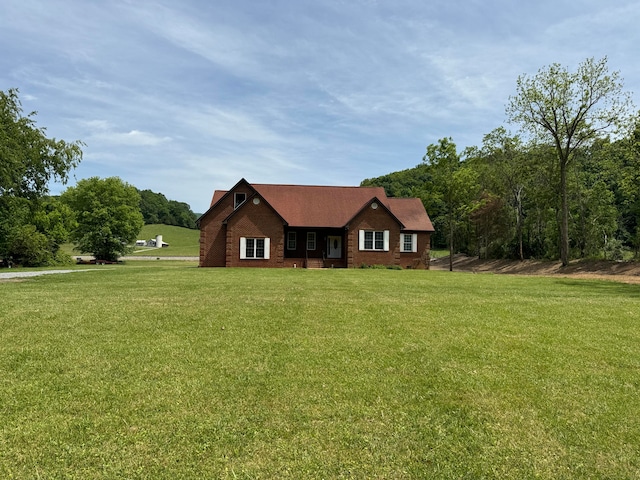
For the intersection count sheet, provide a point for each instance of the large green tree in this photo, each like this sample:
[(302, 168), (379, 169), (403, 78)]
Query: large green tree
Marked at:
[(28, 162), (108, 215), (570, 110), (455, 187)]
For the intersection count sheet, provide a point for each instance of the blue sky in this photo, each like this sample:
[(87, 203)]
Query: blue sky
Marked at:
[(184, 97)]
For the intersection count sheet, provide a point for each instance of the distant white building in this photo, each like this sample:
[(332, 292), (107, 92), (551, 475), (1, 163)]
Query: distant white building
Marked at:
[(157, 242)]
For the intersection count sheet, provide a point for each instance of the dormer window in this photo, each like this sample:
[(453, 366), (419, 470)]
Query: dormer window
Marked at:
[(238, 199)]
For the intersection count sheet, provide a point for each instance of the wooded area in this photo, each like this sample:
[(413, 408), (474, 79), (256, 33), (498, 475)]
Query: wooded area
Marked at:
[(567, 187), (507, 202)]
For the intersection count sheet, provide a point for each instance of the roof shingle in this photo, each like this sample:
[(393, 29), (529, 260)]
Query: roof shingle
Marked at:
[(334, 207)]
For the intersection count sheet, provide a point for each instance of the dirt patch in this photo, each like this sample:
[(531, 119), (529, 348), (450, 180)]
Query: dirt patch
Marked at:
[(627, 272)]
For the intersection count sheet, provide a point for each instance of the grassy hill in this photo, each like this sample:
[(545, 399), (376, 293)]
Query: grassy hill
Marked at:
[(183, 242)]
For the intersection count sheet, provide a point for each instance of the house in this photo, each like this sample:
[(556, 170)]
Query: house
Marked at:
[(263, 225)]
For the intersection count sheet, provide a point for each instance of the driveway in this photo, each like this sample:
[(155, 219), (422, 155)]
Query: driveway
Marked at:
[(8, 275)]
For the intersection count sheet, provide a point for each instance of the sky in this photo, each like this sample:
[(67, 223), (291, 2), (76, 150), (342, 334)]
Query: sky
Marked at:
[(185, 97)]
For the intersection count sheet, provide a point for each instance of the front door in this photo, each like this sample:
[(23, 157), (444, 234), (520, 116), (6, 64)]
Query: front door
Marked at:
[(334, 247)]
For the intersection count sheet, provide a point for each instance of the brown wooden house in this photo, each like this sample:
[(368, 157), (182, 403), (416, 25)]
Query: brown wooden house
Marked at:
[(260, 225)]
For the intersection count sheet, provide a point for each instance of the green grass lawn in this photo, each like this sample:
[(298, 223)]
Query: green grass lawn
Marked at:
[(165, 370)]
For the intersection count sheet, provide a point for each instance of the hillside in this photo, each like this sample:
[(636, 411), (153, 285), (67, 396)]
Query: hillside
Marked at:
[(627, 272), (404, 183), (183, 242)]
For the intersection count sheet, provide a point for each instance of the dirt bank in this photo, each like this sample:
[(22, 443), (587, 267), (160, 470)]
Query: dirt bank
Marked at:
[(628, 272)]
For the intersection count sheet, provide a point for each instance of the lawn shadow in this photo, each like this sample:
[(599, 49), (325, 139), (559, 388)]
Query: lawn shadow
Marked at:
[(603, 287)]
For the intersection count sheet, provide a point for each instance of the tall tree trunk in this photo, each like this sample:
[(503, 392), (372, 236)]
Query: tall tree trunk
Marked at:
[(519, 222), (450, 242), (564, 214)]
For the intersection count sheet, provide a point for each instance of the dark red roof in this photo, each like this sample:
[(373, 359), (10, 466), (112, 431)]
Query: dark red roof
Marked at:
[(317, 206), (334, 207), (411, 212), (217, 195)]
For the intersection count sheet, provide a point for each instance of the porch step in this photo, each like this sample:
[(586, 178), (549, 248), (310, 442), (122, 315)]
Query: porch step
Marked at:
[(315, 263)]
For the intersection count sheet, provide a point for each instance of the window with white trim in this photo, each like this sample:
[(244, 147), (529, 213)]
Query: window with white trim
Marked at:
[(374, 240), (238, 199), (254, 248), (408, 242), (292, 240), (311, 240)]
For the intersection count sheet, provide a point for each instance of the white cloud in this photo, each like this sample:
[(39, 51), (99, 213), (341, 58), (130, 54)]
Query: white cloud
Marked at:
[(104, 132), (135, 138), (297, 91)]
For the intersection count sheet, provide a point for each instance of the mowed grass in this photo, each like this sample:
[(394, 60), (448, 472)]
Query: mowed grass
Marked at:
[(165, 370)]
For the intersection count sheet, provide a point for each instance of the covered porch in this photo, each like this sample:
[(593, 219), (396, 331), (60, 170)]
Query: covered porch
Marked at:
[(315, 248)]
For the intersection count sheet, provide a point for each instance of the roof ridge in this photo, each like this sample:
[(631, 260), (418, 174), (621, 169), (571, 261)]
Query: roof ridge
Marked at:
[(316, 186)]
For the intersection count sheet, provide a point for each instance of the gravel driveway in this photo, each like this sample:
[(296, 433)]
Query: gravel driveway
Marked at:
[(7, 275)]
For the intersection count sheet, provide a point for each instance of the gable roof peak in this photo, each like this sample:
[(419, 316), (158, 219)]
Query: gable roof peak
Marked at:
[(331, 206)]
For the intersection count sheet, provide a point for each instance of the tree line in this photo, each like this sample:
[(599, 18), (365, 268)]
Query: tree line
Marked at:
[(567, 186), (155, 208), (100, 216)]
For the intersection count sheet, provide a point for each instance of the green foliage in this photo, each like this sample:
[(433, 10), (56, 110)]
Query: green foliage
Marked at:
[(156, 208), (568, 111), (189, 373), (32, 227), (405, 183), (30, 159), (613, 250), (54, 219), (107, 214), (453, 190), (29, 247)]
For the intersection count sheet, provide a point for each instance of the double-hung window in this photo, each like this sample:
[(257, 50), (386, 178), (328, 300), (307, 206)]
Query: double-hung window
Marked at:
[(291, 241), (408, 242), (254, 248), (375, 240), (311, 240)]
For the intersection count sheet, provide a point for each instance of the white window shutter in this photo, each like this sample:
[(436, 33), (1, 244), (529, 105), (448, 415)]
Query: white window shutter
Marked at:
[(267, 244), (361, 240), (414, 242), (386, 240), (243, 248), (402, 243)]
